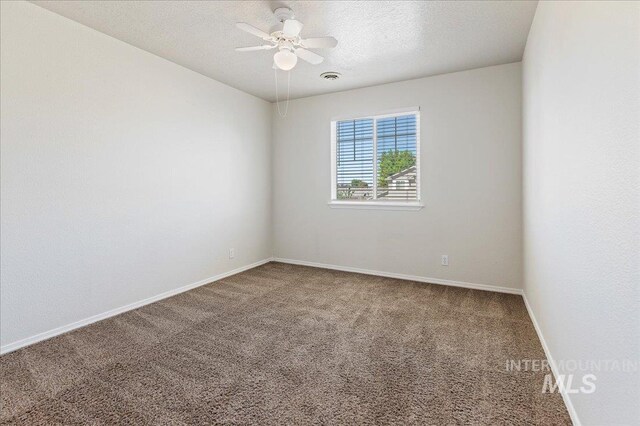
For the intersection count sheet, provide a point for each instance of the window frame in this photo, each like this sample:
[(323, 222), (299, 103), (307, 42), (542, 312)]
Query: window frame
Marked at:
[(375, 203)]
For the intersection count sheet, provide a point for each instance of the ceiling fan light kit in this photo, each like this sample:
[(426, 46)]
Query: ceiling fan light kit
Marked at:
[(285, 59)]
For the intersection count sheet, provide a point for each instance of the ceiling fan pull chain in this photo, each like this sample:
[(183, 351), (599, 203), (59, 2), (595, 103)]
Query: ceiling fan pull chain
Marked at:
[(286, 108)]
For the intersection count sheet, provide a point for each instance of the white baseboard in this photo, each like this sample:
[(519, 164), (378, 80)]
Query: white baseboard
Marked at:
[(10, 347), (440, 281), (554, 368), (69, 327)]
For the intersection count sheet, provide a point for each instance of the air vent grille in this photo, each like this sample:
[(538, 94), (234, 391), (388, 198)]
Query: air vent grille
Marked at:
[(331, 75)]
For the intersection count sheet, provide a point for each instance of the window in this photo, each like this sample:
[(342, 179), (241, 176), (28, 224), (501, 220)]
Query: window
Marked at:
[(376, 161)]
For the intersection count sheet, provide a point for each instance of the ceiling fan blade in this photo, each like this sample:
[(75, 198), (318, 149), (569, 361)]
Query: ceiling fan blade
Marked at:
[(292, 28), (309, 56), (253, 30), (252, 48), (319, 42)]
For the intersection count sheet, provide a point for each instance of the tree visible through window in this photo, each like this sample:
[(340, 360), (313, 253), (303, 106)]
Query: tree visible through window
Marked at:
[(377, 158)]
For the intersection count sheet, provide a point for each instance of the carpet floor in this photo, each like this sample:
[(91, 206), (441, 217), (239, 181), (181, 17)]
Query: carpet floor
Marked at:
[(285, 344)]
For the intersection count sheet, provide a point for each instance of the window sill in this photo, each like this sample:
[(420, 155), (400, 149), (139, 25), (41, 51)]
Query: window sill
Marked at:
[(376, 205)]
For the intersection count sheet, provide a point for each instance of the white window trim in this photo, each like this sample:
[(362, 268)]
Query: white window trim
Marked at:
[(376, 204)]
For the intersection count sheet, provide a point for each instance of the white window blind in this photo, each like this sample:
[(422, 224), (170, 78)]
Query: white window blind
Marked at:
[(376, 158), (354, 161)]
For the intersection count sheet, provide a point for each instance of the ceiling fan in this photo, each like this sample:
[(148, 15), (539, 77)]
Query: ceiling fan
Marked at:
[(288, 41)]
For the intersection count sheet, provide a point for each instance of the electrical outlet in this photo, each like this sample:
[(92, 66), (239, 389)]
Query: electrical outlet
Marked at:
[(232, 253), (445, 260)]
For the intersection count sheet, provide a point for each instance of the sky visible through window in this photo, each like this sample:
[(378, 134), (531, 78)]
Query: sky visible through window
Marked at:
[(354, 148)]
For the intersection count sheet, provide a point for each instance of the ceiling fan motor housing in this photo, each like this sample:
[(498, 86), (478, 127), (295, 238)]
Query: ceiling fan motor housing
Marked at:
[(281, 39)]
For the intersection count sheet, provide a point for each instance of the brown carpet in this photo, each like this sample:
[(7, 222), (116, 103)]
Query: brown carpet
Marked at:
[(284, 344)]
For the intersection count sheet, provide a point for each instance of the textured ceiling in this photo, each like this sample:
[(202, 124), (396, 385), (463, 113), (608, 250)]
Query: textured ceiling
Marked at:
[(378, 41)]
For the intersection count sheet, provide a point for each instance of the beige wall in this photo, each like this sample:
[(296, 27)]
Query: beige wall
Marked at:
[(470, 179), (582, 195), (115, 174)]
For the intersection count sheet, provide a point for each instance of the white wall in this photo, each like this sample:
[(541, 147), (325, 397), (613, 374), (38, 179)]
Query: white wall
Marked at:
[(471, 181), (581, 91), (123, 175)]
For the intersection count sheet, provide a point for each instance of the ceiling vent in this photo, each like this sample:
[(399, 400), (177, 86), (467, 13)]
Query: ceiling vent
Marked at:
[(331, 75)]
